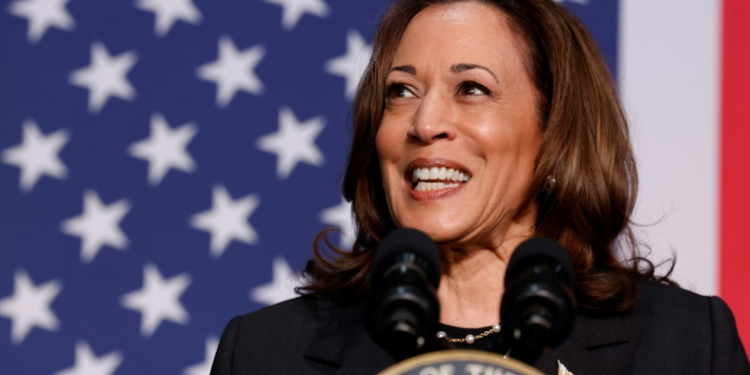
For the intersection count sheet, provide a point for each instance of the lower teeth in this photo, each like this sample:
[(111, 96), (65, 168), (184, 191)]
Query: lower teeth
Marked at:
[(429, 186)]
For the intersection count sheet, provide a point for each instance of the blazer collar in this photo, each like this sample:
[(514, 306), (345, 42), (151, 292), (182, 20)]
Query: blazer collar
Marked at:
[(577, 352), (341, 330)]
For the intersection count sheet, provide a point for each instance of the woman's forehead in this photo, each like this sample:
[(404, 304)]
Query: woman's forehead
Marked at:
[(441, 36)]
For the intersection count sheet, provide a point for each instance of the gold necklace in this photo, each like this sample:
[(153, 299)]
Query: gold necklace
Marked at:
[(469, 339)]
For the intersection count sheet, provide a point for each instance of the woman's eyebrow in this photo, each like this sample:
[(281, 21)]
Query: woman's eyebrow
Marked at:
[(405, 68), (458, 68)]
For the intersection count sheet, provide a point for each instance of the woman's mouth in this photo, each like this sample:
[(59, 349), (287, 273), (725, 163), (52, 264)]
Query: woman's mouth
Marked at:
[(432, 179), (437, 178)]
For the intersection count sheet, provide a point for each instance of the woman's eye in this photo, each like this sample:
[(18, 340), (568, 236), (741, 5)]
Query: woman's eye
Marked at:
[(472, 88), (398, 90)]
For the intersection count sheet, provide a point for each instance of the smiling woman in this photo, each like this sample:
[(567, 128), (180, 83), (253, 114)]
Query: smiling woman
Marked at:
[(466, 104), (483, 123), (513, 94)]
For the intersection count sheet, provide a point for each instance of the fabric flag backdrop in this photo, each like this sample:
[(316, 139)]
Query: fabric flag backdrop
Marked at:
[(165, 164)]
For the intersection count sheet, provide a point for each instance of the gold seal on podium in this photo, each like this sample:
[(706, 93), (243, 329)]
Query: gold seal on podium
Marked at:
[(460, 362)]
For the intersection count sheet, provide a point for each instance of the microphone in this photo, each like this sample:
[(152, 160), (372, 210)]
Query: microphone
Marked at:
[(538, 307), (403, 309)]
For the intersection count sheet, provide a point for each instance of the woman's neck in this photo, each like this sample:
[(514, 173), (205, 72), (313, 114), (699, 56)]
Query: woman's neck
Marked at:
[(472, 285)]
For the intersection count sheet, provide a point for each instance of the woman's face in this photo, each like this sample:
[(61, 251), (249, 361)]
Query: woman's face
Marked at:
[(459, 134)]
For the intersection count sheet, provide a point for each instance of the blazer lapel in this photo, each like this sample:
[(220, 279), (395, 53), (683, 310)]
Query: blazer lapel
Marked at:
[(332, 334), (341, 335), (577, 353)]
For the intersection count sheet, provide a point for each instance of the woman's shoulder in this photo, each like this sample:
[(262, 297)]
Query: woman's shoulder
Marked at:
[(303, 335), (300, 313), (670, 330), (667, 308), (270, 340), (660, 299), (665, 295), (698, 330), (671, 292)]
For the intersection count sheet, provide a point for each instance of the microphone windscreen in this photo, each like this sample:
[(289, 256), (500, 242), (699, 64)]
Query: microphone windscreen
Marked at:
[(540, 250), (410, 241)]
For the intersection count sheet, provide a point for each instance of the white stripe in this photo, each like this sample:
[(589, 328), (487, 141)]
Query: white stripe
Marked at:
[(669, 79)]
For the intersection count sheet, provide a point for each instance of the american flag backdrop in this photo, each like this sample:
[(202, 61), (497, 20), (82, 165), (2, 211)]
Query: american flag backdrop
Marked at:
[(166, 164)]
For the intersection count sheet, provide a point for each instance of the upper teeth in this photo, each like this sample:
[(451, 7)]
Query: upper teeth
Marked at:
[(438, 173)]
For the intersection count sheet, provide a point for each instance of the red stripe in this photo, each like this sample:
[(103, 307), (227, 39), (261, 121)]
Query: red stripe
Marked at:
[(735, 164)]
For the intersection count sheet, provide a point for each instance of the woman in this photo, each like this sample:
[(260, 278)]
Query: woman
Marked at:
[(483, 123)]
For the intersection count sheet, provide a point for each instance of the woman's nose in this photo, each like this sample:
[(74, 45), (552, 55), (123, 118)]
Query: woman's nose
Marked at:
[(433, 120)]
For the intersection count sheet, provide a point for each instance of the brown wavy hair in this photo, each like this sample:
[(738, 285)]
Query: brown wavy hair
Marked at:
[(585, 148)]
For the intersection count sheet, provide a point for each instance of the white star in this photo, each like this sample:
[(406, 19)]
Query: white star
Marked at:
[(170, 11), (98, 225), (282, 286), (294, 142), (158, 300), (42, 14), (227, 220), (37, 155), (233, 71), (165, 148), (204, 368), (341, 217), (105, 76), (295, 9), (352, 65), (29, 306), (89, 364)]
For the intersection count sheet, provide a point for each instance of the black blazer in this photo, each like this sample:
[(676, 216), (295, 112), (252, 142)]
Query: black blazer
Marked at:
[(671, 331)]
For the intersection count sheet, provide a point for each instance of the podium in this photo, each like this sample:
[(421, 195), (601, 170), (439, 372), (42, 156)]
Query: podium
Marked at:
[(460, 362)]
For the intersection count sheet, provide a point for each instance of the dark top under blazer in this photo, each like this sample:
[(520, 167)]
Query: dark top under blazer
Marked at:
[(671, 331)]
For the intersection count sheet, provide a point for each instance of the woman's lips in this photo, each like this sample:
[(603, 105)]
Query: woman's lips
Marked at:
[(437, 193)]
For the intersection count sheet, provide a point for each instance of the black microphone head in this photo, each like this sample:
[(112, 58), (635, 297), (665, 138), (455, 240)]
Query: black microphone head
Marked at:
[(538, 250), (409, 241), (538, 306), (403, 310)]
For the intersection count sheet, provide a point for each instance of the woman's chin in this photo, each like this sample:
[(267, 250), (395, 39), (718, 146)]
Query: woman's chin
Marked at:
[(439, 234)]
